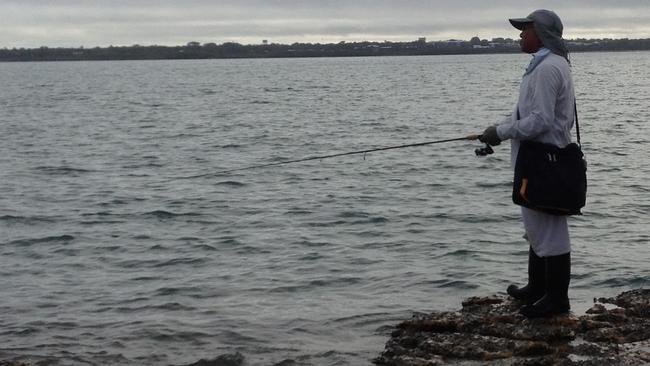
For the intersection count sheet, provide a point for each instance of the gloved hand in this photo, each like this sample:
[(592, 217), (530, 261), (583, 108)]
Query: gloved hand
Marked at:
[(490, 136)]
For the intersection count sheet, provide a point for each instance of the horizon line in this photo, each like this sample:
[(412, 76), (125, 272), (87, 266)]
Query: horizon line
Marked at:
[(267, 43)]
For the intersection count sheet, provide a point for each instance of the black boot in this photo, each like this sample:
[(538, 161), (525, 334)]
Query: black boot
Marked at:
[(536, 286), (556, 299)]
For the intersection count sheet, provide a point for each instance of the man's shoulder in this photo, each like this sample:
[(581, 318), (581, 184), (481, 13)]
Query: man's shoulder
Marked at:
[(554, 61), (554, 64)]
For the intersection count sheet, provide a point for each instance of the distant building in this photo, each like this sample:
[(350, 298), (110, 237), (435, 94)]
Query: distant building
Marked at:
[(454, 42), (422, 40), (265, 41)]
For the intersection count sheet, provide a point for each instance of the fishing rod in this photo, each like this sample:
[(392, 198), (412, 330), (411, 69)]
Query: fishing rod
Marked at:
[(479, 152)]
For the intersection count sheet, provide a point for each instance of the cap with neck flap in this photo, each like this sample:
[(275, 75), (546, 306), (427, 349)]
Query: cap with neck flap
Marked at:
[(548, 28)]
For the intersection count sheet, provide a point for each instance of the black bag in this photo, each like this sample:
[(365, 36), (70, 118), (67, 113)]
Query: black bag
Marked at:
[(551, 179)]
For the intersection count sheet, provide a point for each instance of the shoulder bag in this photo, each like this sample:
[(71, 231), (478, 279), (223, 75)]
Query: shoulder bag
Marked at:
[(551, 179)]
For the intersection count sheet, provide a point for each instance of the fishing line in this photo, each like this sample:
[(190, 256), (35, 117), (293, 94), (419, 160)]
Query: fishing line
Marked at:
[(320, 157)]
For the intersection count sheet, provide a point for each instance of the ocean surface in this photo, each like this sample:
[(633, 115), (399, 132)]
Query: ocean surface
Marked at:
[(122, 242)]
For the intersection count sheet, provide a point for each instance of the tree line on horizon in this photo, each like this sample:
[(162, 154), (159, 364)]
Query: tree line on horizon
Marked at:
[(196, 50)]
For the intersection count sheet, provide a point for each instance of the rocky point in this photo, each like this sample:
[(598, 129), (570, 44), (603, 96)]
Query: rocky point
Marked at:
[(490, 331)]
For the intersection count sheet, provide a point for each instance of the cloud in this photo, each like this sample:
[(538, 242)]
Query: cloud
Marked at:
[(32, 23)]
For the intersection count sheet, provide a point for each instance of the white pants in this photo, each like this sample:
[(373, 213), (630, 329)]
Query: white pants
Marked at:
[(548, 235)]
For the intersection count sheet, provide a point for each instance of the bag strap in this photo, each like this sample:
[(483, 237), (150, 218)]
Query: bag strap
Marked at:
[(575, 111)]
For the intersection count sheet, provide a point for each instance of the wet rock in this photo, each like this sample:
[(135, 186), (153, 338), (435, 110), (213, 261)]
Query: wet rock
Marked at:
[(489, 331), (597, 309)]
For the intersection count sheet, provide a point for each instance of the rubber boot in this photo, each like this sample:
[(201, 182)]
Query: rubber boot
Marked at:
[(556, 299), (536, 286)]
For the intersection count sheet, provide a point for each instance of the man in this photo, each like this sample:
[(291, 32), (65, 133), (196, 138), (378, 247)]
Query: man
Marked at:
[(544, 113)]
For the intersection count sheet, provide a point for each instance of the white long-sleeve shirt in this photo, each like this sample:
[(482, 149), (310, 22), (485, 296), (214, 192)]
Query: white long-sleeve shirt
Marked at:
[(546, 110)]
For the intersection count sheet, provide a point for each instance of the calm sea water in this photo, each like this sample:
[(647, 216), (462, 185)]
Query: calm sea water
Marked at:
[(121, 244)]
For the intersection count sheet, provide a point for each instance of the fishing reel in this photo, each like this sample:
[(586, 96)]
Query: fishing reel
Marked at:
[(484, 151)]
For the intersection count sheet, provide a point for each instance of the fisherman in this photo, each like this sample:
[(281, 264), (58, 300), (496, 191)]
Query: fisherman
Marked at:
[(544, 113)]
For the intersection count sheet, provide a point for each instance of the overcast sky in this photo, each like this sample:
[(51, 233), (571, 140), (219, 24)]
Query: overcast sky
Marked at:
[(89, 23)]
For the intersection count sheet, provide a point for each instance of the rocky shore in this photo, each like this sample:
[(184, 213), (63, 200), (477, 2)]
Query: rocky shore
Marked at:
[(489, 331)]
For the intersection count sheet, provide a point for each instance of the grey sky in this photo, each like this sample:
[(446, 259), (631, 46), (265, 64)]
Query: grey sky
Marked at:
[(34, 23)]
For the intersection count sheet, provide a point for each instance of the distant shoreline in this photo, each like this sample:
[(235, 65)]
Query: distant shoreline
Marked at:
[(230, 50)]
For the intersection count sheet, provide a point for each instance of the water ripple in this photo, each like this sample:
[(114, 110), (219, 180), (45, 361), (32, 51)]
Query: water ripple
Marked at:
[(48, 239)]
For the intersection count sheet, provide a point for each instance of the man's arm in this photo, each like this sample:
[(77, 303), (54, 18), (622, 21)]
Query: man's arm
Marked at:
[(545, 85)]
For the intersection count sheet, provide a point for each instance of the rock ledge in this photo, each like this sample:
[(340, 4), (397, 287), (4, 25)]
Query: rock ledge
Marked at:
[(489, 331)]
